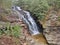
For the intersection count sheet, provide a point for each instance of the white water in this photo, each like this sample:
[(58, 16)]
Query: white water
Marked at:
[(28, 20)]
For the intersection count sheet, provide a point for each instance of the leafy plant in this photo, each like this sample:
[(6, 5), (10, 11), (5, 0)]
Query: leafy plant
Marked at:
[(38, 7), (11, 30)]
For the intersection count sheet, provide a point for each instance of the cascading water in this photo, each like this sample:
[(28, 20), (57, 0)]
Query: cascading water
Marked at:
[(26, 17), (31, 24)]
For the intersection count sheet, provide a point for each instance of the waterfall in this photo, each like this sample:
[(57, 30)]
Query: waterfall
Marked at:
[(26, 17)]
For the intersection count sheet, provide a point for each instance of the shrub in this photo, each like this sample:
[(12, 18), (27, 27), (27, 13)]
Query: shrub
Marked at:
[(11, 30), (38, 8)]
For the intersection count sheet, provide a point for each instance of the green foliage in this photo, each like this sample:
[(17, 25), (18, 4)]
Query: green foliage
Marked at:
[(16, 31), (59, 18), (55, 3), (11, 30), (38, 7)]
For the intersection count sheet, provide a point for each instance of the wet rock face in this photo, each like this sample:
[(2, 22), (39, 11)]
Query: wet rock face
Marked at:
[(40, 26), (53, 35), (52, 30)]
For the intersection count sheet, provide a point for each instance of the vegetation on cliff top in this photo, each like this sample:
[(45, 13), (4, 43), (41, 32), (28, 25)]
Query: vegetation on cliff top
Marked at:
[(38, 8)]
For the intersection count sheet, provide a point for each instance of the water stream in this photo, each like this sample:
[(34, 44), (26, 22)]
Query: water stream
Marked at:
[(26, 17), (28, 20)]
